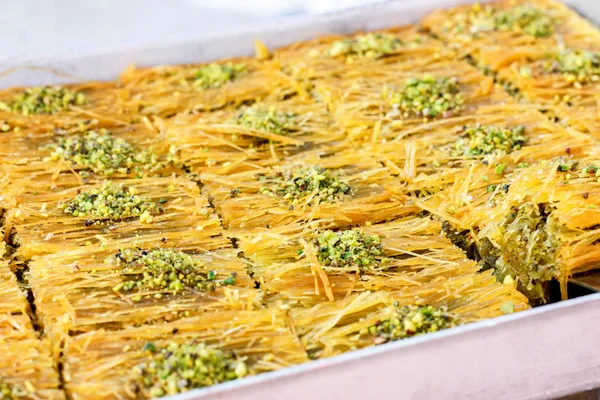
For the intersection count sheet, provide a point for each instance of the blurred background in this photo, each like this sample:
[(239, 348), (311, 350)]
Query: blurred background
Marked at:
[(35, 28)]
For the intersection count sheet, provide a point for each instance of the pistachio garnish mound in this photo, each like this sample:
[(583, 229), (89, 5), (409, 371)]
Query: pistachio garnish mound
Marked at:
[(44, 100), (523, 18), (348, 249), (428, 97), (566, 165), (371, 45), (7, 391), (292, 185), (578, 66), (111, 201), (488, 139), (178, 368), (103, 153), (526, 18), (216, 75), (269, 120), (412, 320), (161, 271)]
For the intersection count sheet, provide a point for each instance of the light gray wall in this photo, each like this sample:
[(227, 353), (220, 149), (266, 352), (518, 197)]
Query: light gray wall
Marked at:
[(41, 28)]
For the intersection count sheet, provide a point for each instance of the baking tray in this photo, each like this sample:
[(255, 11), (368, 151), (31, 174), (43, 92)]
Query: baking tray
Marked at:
[(547, 352)]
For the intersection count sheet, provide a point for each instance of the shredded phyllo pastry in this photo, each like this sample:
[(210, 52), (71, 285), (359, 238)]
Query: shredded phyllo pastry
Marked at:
[(188, 225)]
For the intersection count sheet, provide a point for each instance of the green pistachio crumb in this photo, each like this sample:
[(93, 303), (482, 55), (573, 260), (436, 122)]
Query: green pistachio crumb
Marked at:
[(163, 271), (229, 281), (427, 97), (348, 249), (525, 72), (292, 185), (178, 368), (520, 19), (499, 169), (412, 320), (488, 139), (269, 120), (216, 75), (578, 66), (44, 100), (149, 347), (8, 391), (508, 307), (4, 126), (103, 153), (370, 45), (111, 201)]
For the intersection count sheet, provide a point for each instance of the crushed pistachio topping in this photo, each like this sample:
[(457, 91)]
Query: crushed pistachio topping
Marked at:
[(160, 271), (578, 66), (7, 391), (178, 368), (111, 201), (428, 97), (566, 165), (412, 320), (103, 153), (522, 18), (292, 185), (216, 75), (348, 249), (488, 139), (269, 120), (44, 100), (573, 168), (371, 45), (528, 248)]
